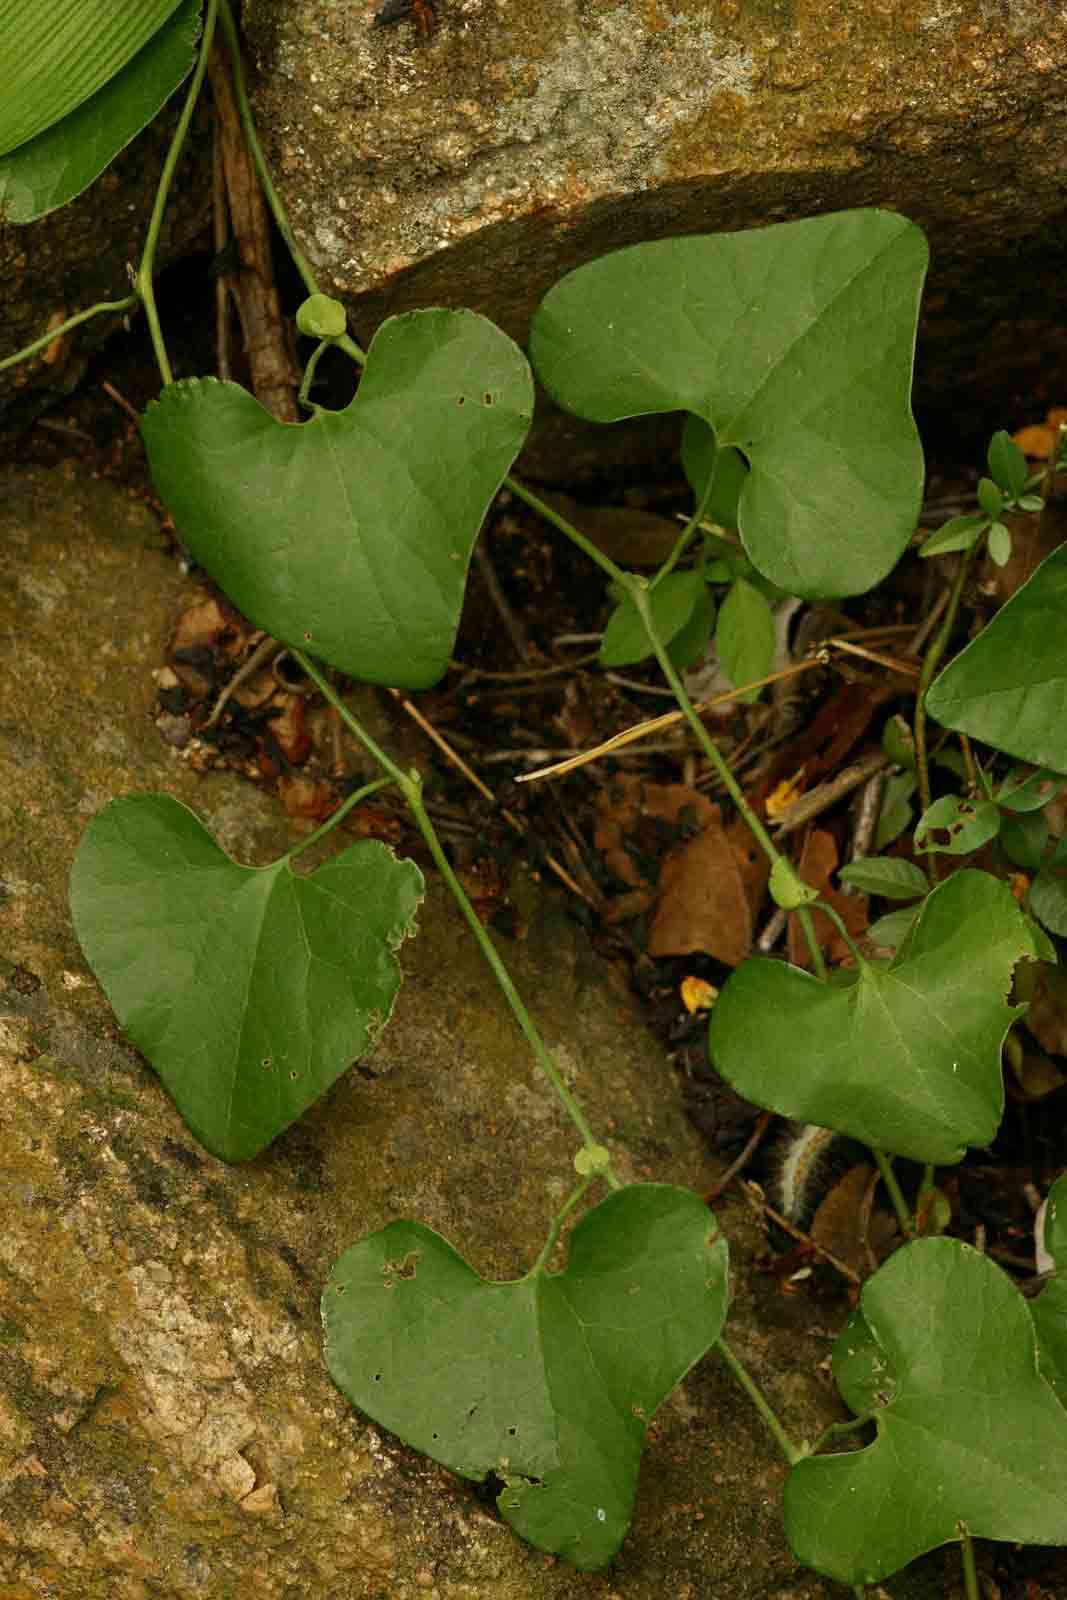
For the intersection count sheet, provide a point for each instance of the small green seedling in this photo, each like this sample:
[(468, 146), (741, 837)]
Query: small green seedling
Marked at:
[(1009, 489)]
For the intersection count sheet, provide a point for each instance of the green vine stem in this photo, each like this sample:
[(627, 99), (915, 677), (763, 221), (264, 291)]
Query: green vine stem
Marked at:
[(833, 916), (639, 594), (557, 1223), (970, 1569), (638, 591), (271, 195), (309, 373), (143, 276), (793, 1453), (931, 661), (684, 537), (410, 785), (336, 817), (569, 531), (64, 327), (894, 1191)]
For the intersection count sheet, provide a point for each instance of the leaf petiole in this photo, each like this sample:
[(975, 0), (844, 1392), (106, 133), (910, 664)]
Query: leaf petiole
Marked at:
[(767, 1416), (53, 334), (894, 1191), (143, 276), (410, 785), (338, 816), (970, 1569), (557, 1223)]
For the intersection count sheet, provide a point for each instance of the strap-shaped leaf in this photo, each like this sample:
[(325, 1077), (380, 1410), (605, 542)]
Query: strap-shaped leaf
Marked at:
[(942, 1351), (350, 535), (549, 1382), (795, 344), (56, 165), (905, 1056), (250, 990), (58, 53)]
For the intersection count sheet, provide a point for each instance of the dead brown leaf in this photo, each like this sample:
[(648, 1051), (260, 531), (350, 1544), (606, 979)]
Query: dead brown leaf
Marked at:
[(207, 639), (304, 797), (703, 903), (1047, 1016), (840, 1223), (638, 821), (288, 728)]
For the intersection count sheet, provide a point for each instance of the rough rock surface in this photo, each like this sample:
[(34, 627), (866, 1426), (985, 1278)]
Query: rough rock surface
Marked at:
[(476, 165), (168, 1429), (77, 256)]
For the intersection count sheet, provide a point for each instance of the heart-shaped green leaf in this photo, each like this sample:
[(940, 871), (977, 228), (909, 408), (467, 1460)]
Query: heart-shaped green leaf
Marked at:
[(1009, 686), (943, 1352), (60, 162), (548, 1382), (57, 55), (905, 1056), (250, 990), (350, 534), (1049, 1310), (795, 344)]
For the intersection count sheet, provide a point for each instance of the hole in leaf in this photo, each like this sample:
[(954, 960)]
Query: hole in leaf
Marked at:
[(294, 1076), (512, 1432), (488, 398), (267, 1062), (405, 1268), (461, 400), (307, 637), (340, 1288)]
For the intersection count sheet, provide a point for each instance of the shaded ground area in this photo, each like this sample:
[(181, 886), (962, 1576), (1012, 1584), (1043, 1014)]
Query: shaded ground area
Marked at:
[(163, 1379)]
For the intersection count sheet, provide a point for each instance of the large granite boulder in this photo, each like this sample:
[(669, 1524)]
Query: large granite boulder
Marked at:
[(476, 164)]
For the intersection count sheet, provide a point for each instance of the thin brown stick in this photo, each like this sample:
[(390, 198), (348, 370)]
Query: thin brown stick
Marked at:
[(515, 629), (908, 668), (670, 719), (220, 227), (759, 1204), (529, 672), (867, 812), (969, 762), (272, 370), (472, 777), (121, 401), (824, 795), (763, 1122), (265, 648), (917, 643)]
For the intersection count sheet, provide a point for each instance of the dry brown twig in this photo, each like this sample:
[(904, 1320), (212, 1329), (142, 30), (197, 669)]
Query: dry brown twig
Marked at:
[(483, 789)]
